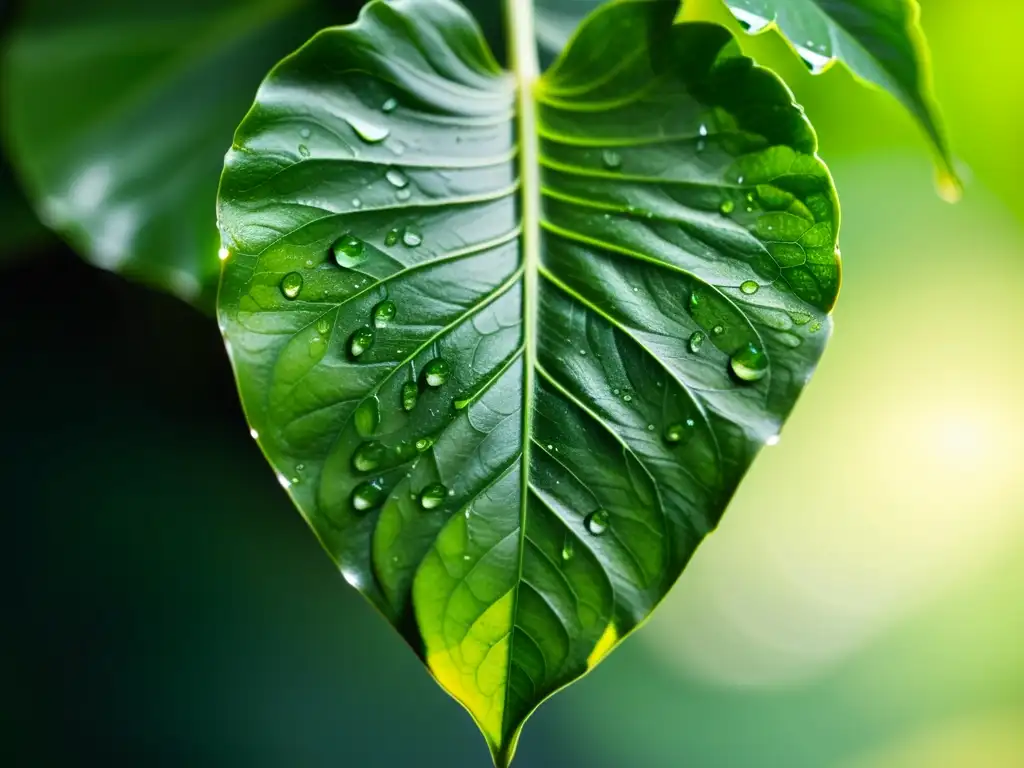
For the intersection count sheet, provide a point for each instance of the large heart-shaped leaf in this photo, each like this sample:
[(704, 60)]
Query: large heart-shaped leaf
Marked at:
[(881, 41), (511, 376)]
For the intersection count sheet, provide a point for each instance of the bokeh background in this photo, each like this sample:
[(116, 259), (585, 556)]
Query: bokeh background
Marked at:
[(861, 606)]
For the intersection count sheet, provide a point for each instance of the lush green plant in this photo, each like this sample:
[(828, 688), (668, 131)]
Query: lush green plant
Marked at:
[(510, 338)]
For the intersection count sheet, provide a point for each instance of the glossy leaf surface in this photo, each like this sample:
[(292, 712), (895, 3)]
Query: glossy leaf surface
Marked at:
[(881, 41), (512, 375)]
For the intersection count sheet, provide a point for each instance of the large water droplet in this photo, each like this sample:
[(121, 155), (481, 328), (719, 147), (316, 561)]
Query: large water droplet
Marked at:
[(411, 237), (696, 341), (815, 61), (368, 456), (367, 416), (750, 21), (568, 549), (360, 341), (612, 159), (436, 372), (368, 495), (433, 496), (410, 394), (679, 431), (349, 251), (749, 287), (291, 284), (368, 132), (749, 363), (396, 178), (597, 522), (384, 313)]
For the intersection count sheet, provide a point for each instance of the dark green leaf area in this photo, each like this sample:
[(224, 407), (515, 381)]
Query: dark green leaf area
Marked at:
[(512, 429)]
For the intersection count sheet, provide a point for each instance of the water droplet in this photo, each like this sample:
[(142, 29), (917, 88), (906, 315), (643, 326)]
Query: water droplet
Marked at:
[(949, 187), (749, 21), (650, 427), (303, 150), (749, 363), (696, 301), (223, 254), (703, 130), (696, 341), (436, 372), (597, 522), (291, 285), (433, 496), (390, 105), (349, 251), (360, 341), (323, 325), (368, 456), (254, 434), (773, 440), (368, 132), (396, 178), (424, 444), (410, 394), (583, 353), (304, 133), (411, 237), (405, 451), (727, 207), (392, 236), (357, 203), (568, 549), (749, 287), (679, 431), (739, 179), (627, 398), (403, 194), (367, 416), (718, 330), (384, 313), (612, 159), (368, 495), (815, 326)]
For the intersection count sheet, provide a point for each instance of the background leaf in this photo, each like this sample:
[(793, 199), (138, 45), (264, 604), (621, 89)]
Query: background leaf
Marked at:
[(881, 41), (513, 450)]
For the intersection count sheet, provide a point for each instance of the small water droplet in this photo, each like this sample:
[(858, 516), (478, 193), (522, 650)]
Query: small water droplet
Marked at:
[(739, 179), (410, 394), (612, 159), (583, 353), (433, 496), (291, 284), (357, 203), (773, 440), (597, 522), (749, 363), (368, 495), (303, 150), (368, 456), (396, 178), (392, 236), (679, 431), (384, 313), (424, 444), (360, 341), (696, 301), (223, 254), (749, 287), (254, 434), (815, 326), (650, 427), (568, 550), (403, 194), (304, 133), (627, 398), (727, 207), (367, 416), (390, 105), (323, 325), (436, 372), (349, 251), (718, 330), (949, 187), (368, 132), (411, 237), (696, 341)]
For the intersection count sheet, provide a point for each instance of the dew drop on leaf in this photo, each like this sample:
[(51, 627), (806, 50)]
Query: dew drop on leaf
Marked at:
[(433, 496), (718, 330), (749, 287), (679, 431), (304, 133), (727, 207), (596, 522), (391, 238), (368, 495), (612, 159), (368, 456), (368, 132), (390, 105), (410, 394), (749, 363), (568, 549), (411, 237), (396, 178), (367, 416), (303, 150), (424, 444), (323, 325), (349, 251), (696, 341), (384, 313), (291, 284), (436, 372), (360, 341)]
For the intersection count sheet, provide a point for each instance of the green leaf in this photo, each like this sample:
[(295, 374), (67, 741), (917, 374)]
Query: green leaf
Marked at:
[(118, 115), (511, 385), (556, 21), (881, 41)]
